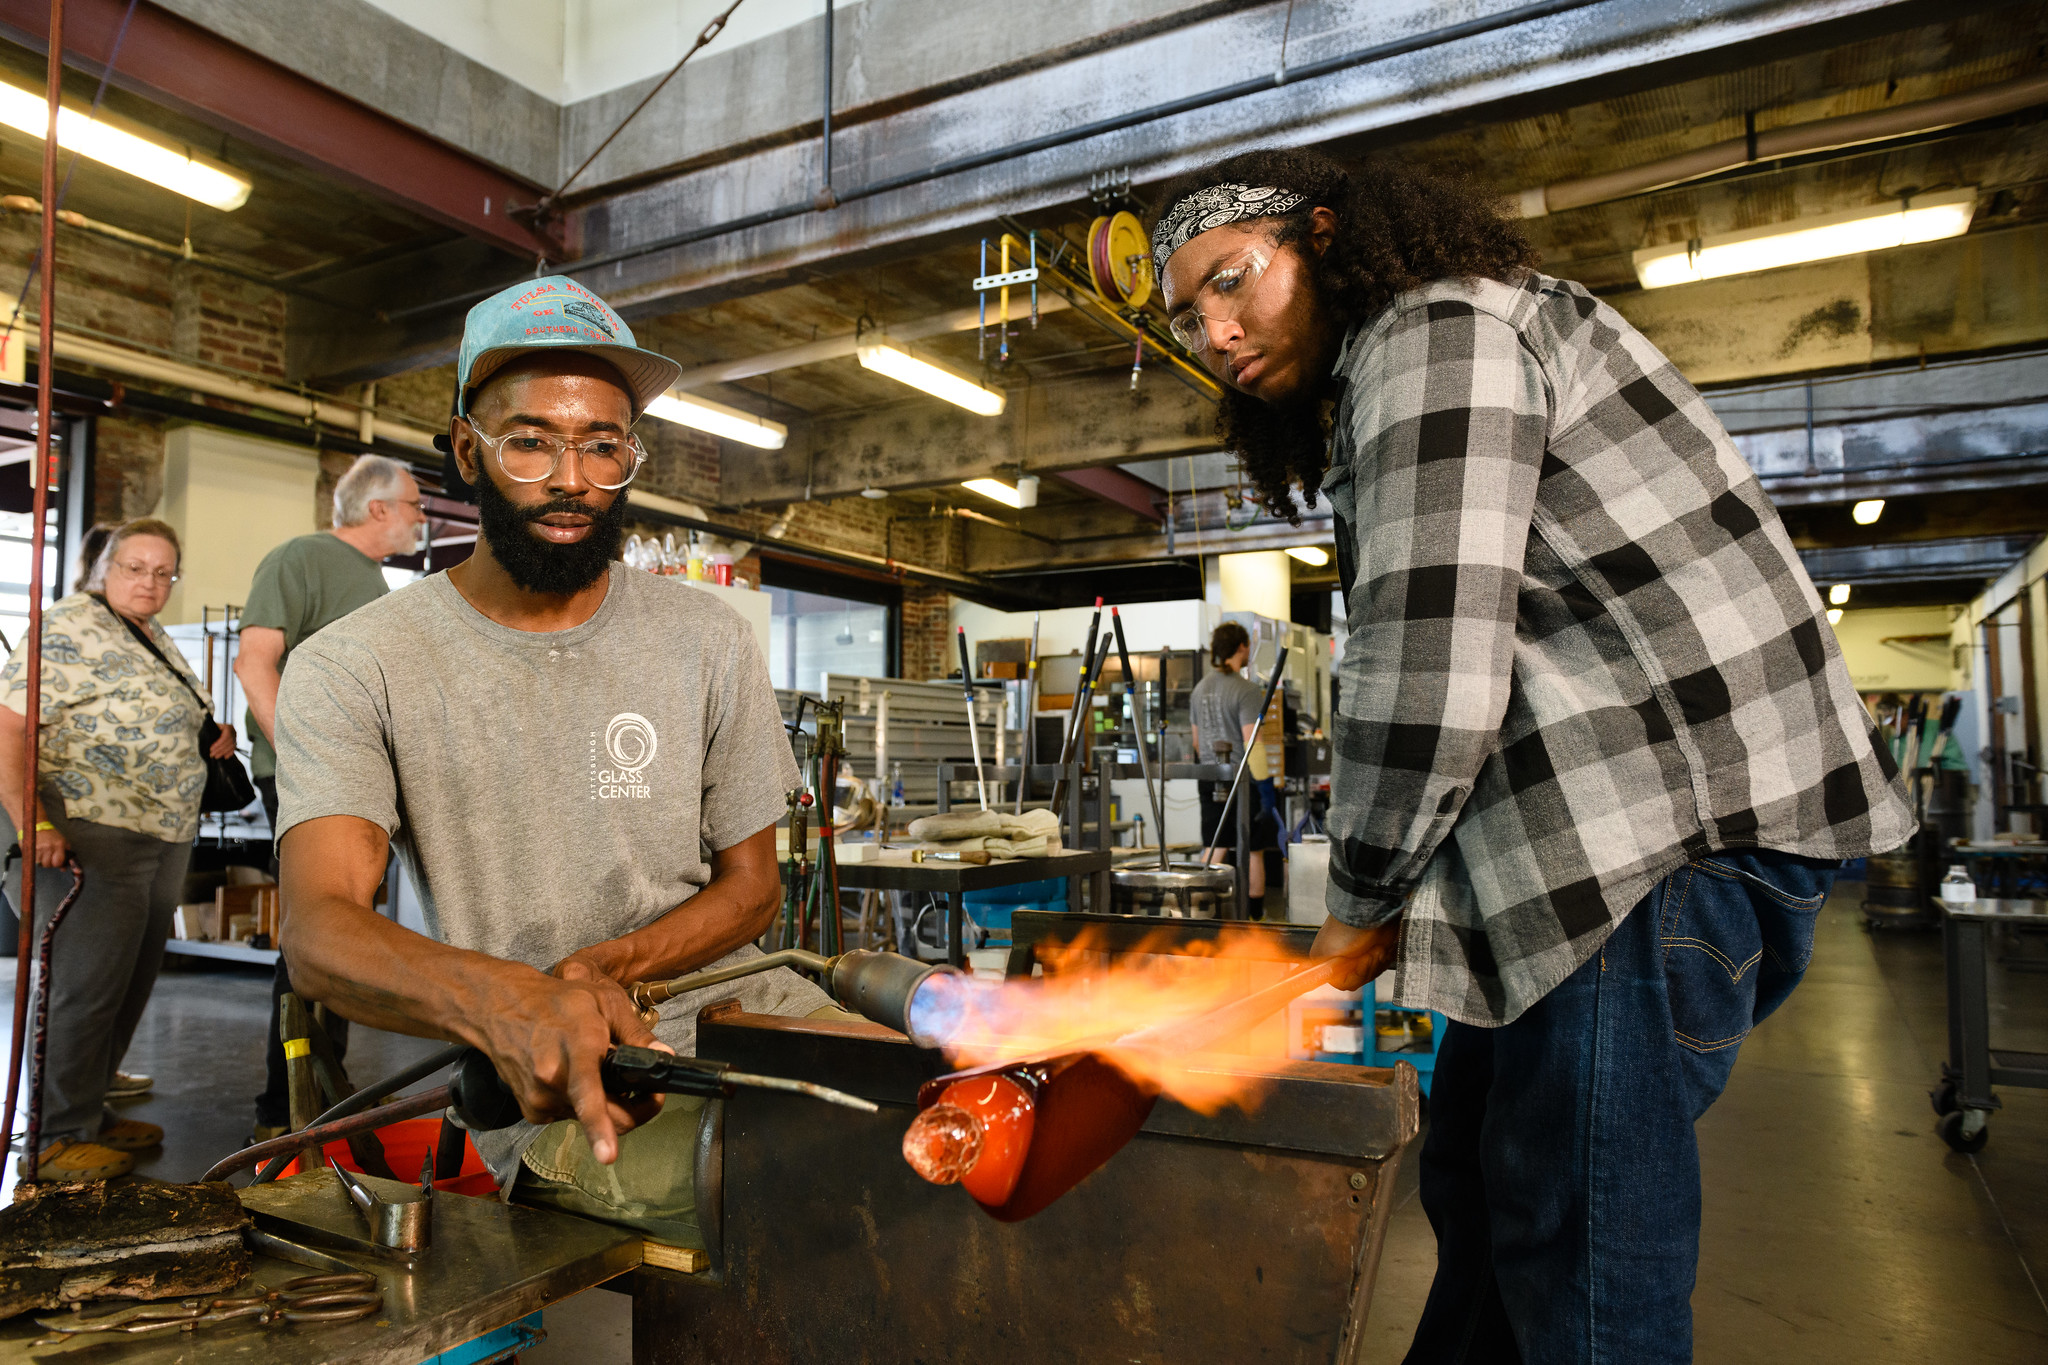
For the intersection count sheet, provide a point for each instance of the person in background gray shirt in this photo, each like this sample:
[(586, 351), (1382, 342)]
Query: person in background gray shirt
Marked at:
[(1223, 712), (300, 588)]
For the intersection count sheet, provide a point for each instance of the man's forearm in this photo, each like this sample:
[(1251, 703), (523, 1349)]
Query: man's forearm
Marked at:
[(728, 912), (365, 968), (259, 685)]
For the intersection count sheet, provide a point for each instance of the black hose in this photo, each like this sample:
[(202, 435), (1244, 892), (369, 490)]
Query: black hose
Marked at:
[(368, 1096)]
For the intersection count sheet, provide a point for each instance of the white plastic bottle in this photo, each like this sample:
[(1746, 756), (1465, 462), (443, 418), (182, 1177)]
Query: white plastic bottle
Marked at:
[(1956, 887), (896, 784)]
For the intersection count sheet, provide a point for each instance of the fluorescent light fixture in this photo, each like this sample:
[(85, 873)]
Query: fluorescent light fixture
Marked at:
[(688, 410), (1834, 616), (996, 489), (1838, 595), (900, 365), (174, 168), (1867, 512), (1315, 556), (1923, 218)]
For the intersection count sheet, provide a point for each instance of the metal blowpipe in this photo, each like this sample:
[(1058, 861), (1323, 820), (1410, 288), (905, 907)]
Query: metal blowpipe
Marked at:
[(1152, 794), (1244, 759), (1030, 716), (973, 735)]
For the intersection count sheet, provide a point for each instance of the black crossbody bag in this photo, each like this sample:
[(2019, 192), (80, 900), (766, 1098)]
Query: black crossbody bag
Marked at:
[(228, 786)]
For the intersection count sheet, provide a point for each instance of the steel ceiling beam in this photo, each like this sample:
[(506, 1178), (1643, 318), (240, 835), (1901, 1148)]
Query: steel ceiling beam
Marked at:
[(176, 63), (1119, 489)]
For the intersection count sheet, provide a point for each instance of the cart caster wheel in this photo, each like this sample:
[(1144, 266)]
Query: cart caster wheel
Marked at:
[(1961, 1133), (1943, 1098)]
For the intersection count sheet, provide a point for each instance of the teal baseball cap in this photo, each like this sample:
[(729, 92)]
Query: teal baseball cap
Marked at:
[(554, 312)]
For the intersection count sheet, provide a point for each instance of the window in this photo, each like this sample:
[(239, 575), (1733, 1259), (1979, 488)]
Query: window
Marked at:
[(813, 633), (14, 561)]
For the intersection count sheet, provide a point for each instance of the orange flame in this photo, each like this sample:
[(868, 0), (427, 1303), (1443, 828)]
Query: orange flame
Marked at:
[(1090, 998)]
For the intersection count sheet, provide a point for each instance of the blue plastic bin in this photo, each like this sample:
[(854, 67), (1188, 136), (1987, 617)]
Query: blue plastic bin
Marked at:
[(991, 910)]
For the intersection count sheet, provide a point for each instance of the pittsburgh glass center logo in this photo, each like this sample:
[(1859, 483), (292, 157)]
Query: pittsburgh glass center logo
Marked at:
[(618, 764)]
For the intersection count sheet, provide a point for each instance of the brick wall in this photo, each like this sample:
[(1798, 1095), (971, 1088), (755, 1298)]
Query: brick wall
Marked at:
[(115, 292), (128, 468), (110, 291)]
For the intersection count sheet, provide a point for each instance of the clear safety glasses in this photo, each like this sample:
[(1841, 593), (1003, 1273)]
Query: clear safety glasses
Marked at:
[(529, 456), (1221, 297)]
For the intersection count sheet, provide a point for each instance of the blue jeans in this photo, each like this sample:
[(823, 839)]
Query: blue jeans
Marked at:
[(1560, 1172)]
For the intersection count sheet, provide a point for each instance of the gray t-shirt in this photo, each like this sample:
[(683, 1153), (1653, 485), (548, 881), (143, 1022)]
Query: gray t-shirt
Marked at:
[(1222, 704), (546, 791)]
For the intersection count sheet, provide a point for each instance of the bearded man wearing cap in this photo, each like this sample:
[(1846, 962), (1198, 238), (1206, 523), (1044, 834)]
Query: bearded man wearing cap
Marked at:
[(580, 766), (1597, 757)]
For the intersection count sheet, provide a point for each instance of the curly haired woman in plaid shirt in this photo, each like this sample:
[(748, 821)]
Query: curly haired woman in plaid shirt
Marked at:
[(1597, 757)]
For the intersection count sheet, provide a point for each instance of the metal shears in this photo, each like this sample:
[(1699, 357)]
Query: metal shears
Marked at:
[(309, 1298)]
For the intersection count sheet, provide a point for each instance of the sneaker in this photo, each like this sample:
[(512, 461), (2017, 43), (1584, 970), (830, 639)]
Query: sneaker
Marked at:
[(126, 1085), (129, 1135), (68, 1159)]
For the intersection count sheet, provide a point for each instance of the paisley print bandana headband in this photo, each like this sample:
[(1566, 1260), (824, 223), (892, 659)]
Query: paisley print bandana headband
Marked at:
[(1212, 207)]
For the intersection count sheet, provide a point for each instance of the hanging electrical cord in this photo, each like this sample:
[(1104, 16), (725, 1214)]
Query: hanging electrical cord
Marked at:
[(711, 30)]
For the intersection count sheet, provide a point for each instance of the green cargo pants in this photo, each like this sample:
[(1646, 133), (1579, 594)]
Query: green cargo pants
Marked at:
[(652, 1187)]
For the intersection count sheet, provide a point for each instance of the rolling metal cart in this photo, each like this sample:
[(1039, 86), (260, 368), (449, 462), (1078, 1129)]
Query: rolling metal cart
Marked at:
[(1963, 1098)]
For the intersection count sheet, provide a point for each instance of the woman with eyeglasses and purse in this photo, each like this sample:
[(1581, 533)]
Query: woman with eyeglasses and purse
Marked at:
[(120, 781)]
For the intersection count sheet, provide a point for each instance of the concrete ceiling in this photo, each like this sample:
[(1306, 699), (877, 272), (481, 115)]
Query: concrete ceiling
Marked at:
[(1542, 104), (296, 223)]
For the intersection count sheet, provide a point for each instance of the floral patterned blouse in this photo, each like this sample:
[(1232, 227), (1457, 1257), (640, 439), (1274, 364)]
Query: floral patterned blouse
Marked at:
[(120, 734)]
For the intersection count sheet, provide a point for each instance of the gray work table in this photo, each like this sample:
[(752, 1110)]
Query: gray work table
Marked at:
[(1964, 1097), (491, 1265), (894, 871)]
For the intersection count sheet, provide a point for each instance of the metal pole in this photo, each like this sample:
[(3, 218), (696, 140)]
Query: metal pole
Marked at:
[(825, 191), (1080, 691), (973, 735), (1155, 798), (1030, 716), (1072, 752), (44, 469)]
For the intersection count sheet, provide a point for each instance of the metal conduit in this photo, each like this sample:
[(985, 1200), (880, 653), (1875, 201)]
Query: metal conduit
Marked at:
[(1329, 66), (1799, 139), (139, 365)]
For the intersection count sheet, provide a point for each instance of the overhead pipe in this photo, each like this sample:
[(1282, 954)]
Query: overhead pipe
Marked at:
[(1329, 66), (834, 348), (825, 198), (139, 365), (1799, 139)]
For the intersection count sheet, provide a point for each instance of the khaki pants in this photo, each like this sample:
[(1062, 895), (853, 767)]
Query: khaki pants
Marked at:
[(652, 1187)]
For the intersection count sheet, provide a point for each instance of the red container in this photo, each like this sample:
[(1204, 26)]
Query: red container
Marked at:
[(406, 1144), (721, 572)]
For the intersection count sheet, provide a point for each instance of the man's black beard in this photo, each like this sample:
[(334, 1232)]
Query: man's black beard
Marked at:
[(544, 566)]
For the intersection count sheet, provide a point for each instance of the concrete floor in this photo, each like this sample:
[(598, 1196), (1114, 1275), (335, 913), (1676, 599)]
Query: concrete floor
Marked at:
[(1838, 1227)]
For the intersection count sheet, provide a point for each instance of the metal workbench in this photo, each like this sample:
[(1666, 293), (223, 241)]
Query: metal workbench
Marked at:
[(894, 871), (1963, 1097), (491, 1265), (1212, 1239)]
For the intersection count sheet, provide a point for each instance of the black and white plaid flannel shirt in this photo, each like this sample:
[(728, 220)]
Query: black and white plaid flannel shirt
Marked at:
[(1583, 650)]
